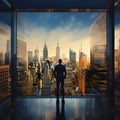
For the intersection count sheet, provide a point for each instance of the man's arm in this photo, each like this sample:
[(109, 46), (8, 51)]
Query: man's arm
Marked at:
[(64, 72), (55, 72)]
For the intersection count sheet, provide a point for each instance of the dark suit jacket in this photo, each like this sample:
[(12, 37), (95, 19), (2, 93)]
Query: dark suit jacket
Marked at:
[(60, 71)]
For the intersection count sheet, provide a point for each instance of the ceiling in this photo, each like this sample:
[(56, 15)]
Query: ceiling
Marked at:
[(85, 5)]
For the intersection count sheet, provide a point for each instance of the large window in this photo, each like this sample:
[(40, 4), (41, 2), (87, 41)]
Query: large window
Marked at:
[(117, 58), (79, 38), (5, 55)]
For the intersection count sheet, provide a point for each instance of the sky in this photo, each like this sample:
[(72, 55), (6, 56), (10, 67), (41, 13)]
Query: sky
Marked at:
[(70, 29)]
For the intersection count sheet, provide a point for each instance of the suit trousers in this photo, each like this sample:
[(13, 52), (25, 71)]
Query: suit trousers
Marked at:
[(58, 83)]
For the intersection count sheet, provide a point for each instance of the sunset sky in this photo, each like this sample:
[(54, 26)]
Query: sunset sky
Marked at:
[(70, 29)]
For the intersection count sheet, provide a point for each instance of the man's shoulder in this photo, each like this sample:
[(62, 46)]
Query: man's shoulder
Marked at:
[(60, 65)]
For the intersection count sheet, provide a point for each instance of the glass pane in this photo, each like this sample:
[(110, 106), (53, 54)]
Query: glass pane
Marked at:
[(78, 38), (98, 54), (117, 59), (5, 55)]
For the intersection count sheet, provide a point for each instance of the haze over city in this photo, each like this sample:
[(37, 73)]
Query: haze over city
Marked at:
[(71, 30)]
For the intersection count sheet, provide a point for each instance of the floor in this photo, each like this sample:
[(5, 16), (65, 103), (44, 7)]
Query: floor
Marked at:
[(80, 108)]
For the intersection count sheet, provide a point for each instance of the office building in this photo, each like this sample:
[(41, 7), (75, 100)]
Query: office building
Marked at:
[(45, 52), (1, 58), (30, 56), (46, 90), (22, 56), (99, 68), (57, 52), (8, 53), (36, 56), (83, 63), (25, 82), (68, 86), (98, 54), (5, 89), (72, 58)]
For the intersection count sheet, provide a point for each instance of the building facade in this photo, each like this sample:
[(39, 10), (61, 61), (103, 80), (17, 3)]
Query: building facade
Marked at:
[(72, 58), (45, 52), (57, 52), (5, 80), (98, 54)]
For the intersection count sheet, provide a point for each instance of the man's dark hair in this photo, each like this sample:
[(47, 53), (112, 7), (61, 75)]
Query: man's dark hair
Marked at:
[(60, 60)]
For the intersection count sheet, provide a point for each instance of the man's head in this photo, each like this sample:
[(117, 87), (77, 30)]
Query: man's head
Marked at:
[(60, 60)]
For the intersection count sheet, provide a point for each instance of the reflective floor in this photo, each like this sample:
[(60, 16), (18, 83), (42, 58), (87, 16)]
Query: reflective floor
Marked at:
[(82, 108)]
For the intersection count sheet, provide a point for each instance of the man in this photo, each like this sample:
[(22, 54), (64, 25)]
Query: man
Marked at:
[(60, 75)]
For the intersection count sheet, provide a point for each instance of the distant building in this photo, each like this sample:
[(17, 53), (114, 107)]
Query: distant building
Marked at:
[(57, 52), (45, 52), (45, 65), (30, 56), (1, 58), (68, 82), (22, 56), (83, 63), (46, 89), (36, 55), (8, 53), (46, 78), (25, 79), (64, 59), (25, 82), (72, 58), (4, 81)]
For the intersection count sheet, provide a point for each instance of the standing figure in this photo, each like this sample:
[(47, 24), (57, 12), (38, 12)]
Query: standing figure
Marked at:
[(60, 75)]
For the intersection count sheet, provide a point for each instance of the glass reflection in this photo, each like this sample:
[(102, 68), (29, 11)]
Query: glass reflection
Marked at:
[(5, 55), (86, 68), (98, 54), (117, 59), (60, 114)]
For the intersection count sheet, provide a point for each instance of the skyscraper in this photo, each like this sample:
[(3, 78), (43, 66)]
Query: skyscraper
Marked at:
[(36, 55), (4, 81), (22, 58), (82, 60), (30, 56), (45, 52), (1, 59), (46, 73), (72, 56), (57, 52), (22, 67), (8, 53), (45, 66), (99, 53), (46, 90)]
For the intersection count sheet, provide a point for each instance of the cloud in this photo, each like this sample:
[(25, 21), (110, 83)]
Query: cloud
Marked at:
[(4, 32), (4, 36), (66, 38), (69, 33)]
